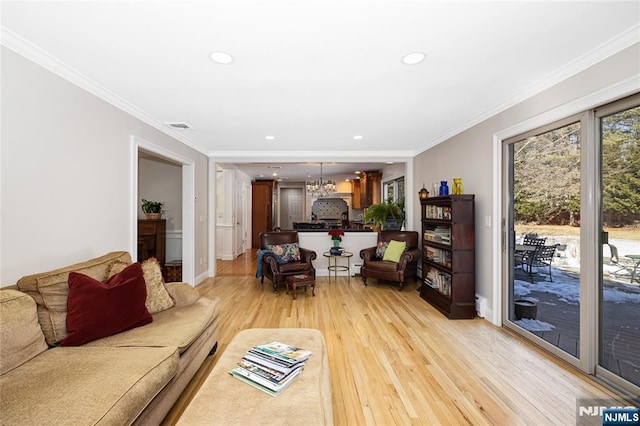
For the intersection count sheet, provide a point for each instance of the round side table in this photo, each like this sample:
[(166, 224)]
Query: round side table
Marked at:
[(335, 267)]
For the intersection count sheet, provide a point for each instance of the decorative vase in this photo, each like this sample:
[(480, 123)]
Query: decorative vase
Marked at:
[(444, 188), (457, 186), (336, 243)]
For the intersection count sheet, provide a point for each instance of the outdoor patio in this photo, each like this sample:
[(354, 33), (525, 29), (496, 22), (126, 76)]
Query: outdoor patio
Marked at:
[(558, 307)]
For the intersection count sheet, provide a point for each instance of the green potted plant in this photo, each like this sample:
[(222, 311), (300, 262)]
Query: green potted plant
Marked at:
[(385, 216), (152, 209)]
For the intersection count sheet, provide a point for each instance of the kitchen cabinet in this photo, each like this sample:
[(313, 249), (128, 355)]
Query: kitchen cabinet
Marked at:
[(370, 188), (355, 190), (261, 209)]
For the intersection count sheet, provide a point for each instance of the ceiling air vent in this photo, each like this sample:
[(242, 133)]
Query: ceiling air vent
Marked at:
[(179, 125)]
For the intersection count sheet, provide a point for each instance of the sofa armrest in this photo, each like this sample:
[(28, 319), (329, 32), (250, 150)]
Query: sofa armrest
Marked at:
[(182, 293), (368, 254)]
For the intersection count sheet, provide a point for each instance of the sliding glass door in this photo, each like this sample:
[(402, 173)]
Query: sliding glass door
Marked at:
[(619, 331), (572, 240), (544, 219)]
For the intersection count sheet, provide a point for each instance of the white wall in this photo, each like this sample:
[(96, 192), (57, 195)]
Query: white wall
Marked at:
[(66, 173), (469, 155), (160, 180)]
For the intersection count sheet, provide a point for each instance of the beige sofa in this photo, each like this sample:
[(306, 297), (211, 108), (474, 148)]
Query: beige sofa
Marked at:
[(133, 377)]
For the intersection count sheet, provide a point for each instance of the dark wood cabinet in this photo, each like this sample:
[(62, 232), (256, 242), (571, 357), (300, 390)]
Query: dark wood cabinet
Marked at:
[(355, 190), (152, 236), (370, 188), (448, 255), (261, 209)]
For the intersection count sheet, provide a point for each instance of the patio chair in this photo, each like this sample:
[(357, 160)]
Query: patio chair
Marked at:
[(541, 257), (623, 268), (533, 240), (521, 257)]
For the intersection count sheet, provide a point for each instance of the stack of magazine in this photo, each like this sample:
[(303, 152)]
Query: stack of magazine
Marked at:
[(271, 367)]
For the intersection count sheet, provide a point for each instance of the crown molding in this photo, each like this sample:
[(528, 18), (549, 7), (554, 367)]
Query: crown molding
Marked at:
[(310, 156), (25, 48), (605, 50)]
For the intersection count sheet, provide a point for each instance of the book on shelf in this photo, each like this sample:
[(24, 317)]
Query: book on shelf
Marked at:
[(271, 367), (440, 234), (441, 257), (439, 280), (436, 212)]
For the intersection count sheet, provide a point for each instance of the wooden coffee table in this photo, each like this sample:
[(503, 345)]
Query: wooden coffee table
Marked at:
[(300, 280)]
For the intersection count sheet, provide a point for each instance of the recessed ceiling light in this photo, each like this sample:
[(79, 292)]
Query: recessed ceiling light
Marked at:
[(413, 58), (221, 57), (358, 137), (357, 172), (269, 137)]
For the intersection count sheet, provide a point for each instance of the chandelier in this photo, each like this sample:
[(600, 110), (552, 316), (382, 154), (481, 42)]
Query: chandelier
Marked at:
[(320, 188)]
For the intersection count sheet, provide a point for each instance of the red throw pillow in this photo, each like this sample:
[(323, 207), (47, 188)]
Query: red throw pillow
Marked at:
[(96, 309)]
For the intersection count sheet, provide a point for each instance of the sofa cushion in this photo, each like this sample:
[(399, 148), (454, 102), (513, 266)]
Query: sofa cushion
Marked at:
[(394, 251), (178, 326), (285, 252), (21, 337), (85, 386), (158, 298), (97, 309), (381, 248), (382, 266), (50, 291)]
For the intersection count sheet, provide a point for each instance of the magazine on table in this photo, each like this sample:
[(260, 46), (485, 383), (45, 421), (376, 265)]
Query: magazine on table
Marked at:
[(264, 362), (263, 371), (271, 367), (287, 353), (285, 362), (263, 384)]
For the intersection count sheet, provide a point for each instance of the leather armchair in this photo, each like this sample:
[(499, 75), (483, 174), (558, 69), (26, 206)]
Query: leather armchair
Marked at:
[(385, 270), (277, 272)]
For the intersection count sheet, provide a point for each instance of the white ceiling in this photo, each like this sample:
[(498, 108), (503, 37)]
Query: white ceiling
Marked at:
[(314, 74)]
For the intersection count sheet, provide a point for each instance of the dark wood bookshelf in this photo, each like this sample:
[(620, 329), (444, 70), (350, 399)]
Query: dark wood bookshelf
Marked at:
[(448, 255)]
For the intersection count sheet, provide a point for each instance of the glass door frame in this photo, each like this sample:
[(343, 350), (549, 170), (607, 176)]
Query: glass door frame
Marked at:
[(508, 239), (591, 221), (597, 115)]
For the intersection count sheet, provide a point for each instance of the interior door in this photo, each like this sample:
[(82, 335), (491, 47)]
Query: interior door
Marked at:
[(292, 207), (240, 219)]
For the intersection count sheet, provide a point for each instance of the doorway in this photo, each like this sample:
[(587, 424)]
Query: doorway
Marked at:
[(142, 148)]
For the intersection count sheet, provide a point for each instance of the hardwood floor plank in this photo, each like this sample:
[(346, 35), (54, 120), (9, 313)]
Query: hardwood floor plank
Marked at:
[(394, 359)]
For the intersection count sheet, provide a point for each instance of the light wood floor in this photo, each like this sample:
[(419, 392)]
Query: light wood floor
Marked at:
[(395, 360)]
